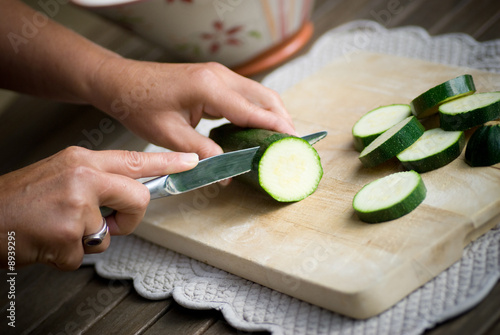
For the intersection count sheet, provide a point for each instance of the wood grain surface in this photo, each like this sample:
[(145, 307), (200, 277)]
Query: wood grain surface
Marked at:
[(357, 269)]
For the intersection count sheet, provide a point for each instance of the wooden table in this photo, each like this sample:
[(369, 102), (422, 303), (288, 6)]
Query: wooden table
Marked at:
[(50, 301)]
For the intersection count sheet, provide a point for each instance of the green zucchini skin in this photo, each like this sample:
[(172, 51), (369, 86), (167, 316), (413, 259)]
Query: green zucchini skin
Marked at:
[(361, 141), (388, 213), (428, 102), (483, 148), (470, 118), (388, 145), (437, 160), (285, 167), (231, 138)]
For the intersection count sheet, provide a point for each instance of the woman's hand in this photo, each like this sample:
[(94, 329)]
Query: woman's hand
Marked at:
[(164, 102), (159, 102), (52, 204)]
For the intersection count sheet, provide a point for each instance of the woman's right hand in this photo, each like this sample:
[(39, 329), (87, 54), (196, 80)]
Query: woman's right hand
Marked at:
[(50, 205)]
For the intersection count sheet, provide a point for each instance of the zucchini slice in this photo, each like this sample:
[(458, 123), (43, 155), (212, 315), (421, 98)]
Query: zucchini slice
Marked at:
[(390, 197), (434, 149), (286, 167), (392, 142), (483, 148), (471, 111), (377, 121), (428, 102)]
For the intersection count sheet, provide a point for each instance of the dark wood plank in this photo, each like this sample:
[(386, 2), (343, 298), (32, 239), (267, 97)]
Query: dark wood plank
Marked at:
[(86, 307), (446, 16), (490, 30), (424, 13), (477, 321), (470, 18), (221, 327), (133, 315), (41, 291), (179, 320), (495, 329)]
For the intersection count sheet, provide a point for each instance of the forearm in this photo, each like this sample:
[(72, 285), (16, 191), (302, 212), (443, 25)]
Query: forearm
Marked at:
[(40, 57)]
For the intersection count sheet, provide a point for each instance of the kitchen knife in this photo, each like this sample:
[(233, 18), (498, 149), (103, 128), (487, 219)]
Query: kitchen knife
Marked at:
[(208, 171)]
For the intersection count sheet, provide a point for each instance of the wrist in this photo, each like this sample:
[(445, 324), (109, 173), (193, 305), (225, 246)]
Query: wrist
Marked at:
[(100, 78), (109, 81)]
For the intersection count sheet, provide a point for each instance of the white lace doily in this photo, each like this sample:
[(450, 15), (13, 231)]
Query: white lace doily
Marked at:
[(160, 273)]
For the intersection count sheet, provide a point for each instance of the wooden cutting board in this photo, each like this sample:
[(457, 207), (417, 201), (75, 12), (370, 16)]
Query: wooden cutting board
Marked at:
[(317, 250)]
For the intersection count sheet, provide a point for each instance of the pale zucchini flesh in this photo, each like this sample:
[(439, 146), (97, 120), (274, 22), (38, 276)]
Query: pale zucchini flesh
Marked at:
[(377, 121), (434, 149), (285, 167), (392, 142), (290, 170), (470, 111), (390, 197)]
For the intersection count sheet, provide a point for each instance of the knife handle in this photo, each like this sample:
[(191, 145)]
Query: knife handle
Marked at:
[(156, 189)]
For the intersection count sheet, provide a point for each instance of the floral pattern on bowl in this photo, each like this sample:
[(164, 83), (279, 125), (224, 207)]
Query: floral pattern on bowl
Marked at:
[(231, 32)]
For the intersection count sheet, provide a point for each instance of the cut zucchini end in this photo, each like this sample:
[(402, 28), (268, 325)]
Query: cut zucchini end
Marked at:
[(390, 197), (290, 170)]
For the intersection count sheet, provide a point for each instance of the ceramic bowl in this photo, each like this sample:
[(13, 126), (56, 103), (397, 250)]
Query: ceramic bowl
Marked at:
[(249, 35)]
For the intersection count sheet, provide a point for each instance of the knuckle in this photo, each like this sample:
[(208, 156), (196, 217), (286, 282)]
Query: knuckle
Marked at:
[(216, 66), (74, 181), (70, 263), (273, 100), (275, 96), (69, 235), (74, 153), (205, 74), (67, 255), (143, 198), (134, 160)]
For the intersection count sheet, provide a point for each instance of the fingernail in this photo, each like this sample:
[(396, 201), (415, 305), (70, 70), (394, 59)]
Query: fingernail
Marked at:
[(190, 159)]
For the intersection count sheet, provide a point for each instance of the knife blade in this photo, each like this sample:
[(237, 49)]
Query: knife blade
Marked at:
[(211, 170), (208, 171)]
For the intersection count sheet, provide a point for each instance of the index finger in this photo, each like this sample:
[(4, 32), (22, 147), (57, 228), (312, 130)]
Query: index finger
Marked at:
[(136, 164)]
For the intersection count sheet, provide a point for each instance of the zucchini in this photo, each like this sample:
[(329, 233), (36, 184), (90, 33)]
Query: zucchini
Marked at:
[(428, 102), (434, 149), (392, 142), (390, 197), (286, 167), (471, 111), (377, 121), (483, 148)]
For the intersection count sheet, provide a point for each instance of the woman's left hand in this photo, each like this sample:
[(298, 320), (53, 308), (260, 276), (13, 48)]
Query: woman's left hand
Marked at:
[(163, 103)]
